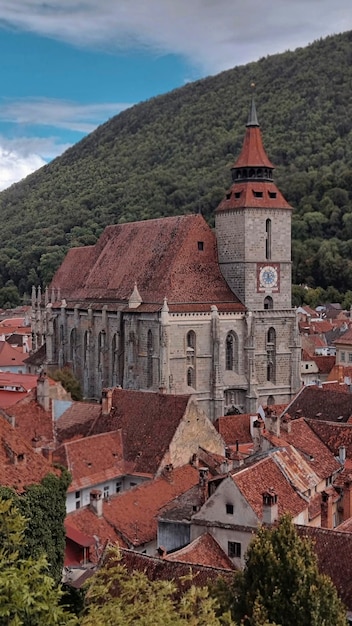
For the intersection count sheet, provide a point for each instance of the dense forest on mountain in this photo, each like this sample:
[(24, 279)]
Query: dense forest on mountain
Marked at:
[(172, 154)]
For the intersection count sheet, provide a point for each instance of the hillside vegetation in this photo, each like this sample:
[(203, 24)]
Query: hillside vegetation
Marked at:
[(172, 155)]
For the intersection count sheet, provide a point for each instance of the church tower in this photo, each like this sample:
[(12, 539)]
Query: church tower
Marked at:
[(253, 228)]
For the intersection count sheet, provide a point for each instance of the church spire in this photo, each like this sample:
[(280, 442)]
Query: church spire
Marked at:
[(253, 162)]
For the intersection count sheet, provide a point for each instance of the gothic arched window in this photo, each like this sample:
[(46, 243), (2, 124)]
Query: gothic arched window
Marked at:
[(150, 351), (86, 346), (114, 358), (271, 355), (191, 377), (191, 347), (231, 360), (73, 345)]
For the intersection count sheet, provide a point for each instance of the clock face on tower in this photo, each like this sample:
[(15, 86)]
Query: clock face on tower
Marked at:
[(268, 277)]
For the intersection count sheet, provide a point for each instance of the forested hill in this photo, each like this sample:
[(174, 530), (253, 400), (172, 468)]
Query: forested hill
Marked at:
[(172, 155)]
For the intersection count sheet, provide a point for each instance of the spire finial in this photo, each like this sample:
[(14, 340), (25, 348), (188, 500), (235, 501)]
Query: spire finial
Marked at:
[(252, 117)]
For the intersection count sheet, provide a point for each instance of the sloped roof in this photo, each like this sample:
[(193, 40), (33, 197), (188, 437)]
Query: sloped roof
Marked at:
[(303, 437), (148, 422), (20, 465), (266, 474), (32, 421), (77, 420), (334, 435), (87, 522), (163, 569), (253, 152), (161, 256), (321, 403), (234, 428), (133, 514), (92, 460), (203, 551), (9, 356), (324, 363), (345, 339), (253, 194), (333, 550)]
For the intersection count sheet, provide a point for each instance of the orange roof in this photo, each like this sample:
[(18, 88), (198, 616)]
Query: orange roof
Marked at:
[(34, 424), (234, 428), (20, 465), (15, 323), (255, 479), (334, 435), (134, 513), (76, 420), (345, 339), (14, 387), (91, 460), (203, 551), (161, 256), (253, 194), (9, 356), (86, 521), (253, 153)]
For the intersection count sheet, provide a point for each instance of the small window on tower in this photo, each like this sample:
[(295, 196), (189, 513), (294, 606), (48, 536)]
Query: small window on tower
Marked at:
[(272, 194), (257, 194), (238, 194), (200, 245), (228, 195)]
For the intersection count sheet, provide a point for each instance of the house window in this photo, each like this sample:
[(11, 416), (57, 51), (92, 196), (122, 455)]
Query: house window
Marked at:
[(343, 357), (229, 509), (133, 484), (78, 499), (232, 352), (200, 245), (350, 357), (106, 491), (268, 239), (328, 481), (234, 549), (118, 487)]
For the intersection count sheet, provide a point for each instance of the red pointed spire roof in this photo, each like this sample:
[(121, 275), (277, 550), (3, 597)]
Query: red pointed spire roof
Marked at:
[(253, 153)]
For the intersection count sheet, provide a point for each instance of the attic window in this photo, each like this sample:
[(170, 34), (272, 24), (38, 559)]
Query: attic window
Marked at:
[(272, 194), (228, 195), (238, 194), (200, 245), (257, 194), (229, 509)]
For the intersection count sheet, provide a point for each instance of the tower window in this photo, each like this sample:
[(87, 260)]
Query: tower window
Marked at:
[(272, 194), (268, 239), (268, 303), (271, 355), (150, 351), (228, 195), (238, 194), (191, 377), (257, 194), (200, 245)]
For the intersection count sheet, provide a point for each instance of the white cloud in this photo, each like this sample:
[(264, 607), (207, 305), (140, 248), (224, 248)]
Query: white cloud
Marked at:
[(14, 166), (214, 35), (83, 118)]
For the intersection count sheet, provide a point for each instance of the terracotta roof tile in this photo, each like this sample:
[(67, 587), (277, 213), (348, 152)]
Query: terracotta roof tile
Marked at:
[(321, 403), (76, 420), (161, 256), (203, 551), (11, 357), (345, 339), (163, 569), (253, 195), (334, 435), (134, 513), (147, 436), (32, 421), (266, 474), (20, 465), (333, 549), (234, 428), (87, 522)]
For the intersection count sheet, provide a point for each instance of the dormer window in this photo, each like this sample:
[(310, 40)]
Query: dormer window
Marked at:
[(272, 194), (257, 194), (238, 194), (228, 195)]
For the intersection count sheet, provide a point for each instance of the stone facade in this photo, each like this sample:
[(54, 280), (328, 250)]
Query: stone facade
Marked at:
[(201, 313)]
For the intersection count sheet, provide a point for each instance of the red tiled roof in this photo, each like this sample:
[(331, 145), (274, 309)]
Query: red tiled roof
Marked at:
[(148, 422), (32, 422), (14, 323), (333, 549), (80, 538), (203, 551), (253, 153), (76, 420), (324, 363), (245, 195), (161, 256), (87, 522), (346, 338), (91, 460), (339, 373), (164, 569), (234, 428), (20, 465), (265, 474), (334, 435), (134, 513), (9, 356), (321, 403), (304, 439), (321, 327)]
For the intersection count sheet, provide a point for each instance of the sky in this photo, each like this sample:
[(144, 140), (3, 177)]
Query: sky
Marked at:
[(67, 66)]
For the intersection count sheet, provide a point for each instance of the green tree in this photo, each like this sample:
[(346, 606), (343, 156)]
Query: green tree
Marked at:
[(28, 595), (281, 583), (69, 382), (117, 598)]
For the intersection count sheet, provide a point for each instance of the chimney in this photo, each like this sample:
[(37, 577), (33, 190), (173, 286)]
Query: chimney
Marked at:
[(272, 422), (106, 401), (96, 502), (347, 498), (286, 423), (43, 391), (203, 484), (342, 454), (258, 429), (270, 507)]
